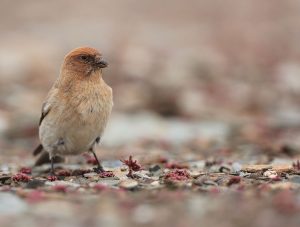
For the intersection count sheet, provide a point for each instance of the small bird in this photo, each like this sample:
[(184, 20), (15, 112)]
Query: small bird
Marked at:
[(76, 109)]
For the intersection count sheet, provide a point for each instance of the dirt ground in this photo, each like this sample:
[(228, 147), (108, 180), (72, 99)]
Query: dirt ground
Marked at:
[(206, 113)]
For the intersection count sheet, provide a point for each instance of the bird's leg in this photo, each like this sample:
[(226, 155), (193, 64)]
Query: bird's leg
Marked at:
[(52, 173), (99, 169)]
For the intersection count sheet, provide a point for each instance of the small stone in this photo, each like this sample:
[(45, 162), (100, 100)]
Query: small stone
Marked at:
[(124, 168), (128, 184), (295, 179), (90, 175), (155, 184), (109, 181), (154, 168), (35, 183), (142, 174), (194, 174), (271, 174), (225, 169), (255, 168), (62, 183), (282, 168), (204, 181), (3, 178), (198, 164), (236, 167)]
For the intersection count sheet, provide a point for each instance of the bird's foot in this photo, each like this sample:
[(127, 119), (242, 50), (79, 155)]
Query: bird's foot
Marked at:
[(99, 169)]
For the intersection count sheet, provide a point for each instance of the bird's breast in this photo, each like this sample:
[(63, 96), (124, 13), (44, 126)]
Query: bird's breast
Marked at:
[(78, 120)]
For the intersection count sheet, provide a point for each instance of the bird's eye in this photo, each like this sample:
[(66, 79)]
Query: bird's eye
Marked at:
[(83, 57)]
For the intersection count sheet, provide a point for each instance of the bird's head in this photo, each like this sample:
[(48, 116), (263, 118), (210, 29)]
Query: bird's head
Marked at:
[(84, 61)]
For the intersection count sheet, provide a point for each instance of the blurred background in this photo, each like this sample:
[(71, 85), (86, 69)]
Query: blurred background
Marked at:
[(202, 69), (191, 80)]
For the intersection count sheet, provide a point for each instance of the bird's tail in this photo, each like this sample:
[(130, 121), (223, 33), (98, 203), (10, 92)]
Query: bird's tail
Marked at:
[(44, 157)]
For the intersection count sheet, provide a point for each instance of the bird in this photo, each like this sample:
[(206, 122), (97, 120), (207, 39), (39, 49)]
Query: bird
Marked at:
[(76, 110)]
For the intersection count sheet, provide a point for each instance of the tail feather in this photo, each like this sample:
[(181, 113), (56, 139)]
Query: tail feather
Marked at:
[(38, 150), (44, 159)]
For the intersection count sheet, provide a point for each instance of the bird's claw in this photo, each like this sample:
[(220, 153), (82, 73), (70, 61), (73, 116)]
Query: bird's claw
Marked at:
[(99, 169)]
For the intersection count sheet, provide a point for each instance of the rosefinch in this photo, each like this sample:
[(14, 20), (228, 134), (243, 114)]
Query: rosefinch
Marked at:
[(77, 108)]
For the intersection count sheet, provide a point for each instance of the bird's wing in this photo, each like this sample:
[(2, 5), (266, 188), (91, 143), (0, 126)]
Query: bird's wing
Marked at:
[(46, 107), (45, 110)]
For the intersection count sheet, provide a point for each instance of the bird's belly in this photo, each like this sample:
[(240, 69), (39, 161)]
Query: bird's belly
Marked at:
[(73, 135), (72, 128)]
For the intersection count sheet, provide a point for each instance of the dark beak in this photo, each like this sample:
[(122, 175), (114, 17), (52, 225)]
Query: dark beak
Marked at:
[(100, 63)]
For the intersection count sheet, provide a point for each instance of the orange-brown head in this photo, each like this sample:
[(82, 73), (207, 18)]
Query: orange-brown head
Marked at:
[(84, 61)]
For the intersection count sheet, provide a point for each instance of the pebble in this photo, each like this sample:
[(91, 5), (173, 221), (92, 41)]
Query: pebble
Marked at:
[(154, 168), (295, 179), (3, 178), (270, 174), (142, 174), (236, 167), (195, 174), (63, 183), (109, 181), (255, 168), (35, 183), (155, 184), (200, 165), (128, 184), (90, 175)]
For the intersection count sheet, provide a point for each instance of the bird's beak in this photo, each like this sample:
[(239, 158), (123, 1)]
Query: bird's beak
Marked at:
[(100, 63)]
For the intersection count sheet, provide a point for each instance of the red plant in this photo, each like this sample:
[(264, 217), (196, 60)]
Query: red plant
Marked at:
[(162, 160), (285, 202), (178, 175), (35, 196), (25, 170), (174, 165), (78, 172), (234, 180), (100, 187), (215, 191), (277, 178), (64, 173), (106, 174), (132, 166), (21, 177), (60, 188), (52, 178), (90, 159), (296, 165)]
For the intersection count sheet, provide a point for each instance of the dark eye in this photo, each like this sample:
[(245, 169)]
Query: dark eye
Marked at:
[(83, 57)]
